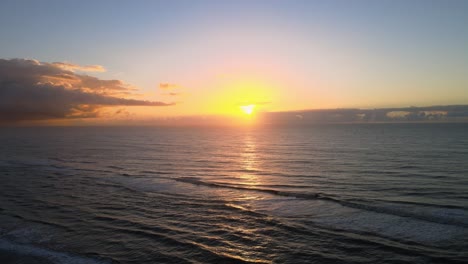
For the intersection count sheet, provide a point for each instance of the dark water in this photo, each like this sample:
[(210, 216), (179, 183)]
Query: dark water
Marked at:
[(393, 193)]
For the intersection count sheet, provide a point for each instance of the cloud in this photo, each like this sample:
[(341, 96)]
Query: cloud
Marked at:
[(172, 94), (74, 67), (447, 113), (33, 90), (168, 86), (398, 114)]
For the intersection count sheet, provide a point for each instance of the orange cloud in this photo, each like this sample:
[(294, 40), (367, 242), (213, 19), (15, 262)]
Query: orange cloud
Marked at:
[(172, 94), (167, 86), (74, 67)]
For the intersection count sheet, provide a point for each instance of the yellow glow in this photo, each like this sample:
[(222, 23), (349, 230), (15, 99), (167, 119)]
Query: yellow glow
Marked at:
[(238, 95), (248, 109)]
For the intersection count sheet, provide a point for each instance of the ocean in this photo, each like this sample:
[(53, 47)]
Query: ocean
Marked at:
[(350, 193)]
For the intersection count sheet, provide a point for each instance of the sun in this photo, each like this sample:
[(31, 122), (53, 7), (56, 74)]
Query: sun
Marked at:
[(247, 109)]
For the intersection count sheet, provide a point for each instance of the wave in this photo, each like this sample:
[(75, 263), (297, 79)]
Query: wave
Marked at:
[(441, 218), (424, 204), (447, 215)]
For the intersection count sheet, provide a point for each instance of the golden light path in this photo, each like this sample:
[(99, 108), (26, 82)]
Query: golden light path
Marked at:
[(249, 160)]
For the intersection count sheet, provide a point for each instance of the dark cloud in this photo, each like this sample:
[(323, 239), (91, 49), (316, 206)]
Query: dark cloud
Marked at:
[(33, 90)]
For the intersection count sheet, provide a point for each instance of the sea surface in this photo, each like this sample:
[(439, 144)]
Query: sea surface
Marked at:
[(369, 193)]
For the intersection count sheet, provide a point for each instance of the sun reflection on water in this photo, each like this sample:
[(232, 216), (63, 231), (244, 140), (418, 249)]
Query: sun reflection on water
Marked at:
[(249, 161)]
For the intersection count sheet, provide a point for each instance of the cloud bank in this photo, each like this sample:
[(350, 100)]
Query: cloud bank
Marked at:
[(33, 90), (447, 113)]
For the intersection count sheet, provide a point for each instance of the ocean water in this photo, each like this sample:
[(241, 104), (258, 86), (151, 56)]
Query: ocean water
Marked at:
[(376, 193)]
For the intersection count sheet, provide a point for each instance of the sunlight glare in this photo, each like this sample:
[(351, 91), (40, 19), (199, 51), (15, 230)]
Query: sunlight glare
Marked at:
[(248, 109)]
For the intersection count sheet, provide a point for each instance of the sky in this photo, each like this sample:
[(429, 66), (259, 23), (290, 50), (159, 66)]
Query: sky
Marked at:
[(159, 59)]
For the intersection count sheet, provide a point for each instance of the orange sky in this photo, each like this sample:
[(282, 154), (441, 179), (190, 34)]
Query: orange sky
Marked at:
[(146, 60)]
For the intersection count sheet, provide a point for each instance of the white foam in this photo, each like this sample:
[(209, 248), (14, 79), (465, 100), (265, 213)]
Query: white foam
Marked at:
[(29, 234), (334, 215), (53, 256), (392, 226)]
